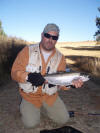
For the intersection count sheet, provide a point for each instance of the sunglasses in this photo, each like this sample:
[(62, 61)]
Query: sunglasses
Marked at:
[(51, 36)]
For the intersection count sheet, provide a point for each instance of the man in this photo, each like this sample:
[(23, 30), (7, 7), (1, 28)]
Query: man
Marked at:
[(31, 64)]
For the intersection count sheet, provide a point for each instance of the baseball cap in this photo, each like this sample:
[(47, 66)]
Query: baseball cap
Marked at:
[(51, 27)]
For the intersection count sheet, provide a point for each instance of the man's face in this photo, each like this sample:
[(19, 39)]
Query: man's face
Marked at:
[(48, 42)]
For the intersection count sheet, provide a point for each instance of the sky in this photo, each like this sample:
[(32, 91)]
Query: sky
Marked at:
[(26, 19)]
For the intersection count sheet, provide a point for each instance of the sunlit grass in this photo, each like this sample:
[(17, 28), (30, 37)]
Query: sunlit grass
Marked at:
[(82, 56)]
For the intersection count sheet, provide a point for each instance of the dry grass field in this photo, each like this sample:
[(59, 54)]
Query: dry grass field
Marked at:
[(80, 49), (82, 56), (89, 48)]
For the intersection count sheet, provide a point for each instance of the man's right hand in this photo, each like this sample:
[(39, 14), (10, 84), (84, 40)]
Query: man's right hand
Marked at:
[(36, 79)]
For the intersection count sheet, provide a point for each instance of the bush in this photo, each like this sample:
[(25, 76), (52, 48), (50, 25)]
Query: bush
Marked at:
[(9, 48)]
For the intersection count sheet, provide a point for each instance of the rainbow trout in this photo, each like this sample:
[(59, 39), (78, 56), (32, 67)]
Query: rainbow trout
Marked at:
[(64, 79)]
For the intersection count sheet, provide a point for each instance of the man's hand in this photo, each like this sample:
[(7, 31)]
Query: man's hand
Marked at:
[(36, 79), (77, 83)]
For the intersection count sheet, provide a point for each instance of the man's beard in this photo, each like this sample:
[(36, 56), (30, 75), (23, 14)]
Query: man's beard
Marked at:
[(48, 46)]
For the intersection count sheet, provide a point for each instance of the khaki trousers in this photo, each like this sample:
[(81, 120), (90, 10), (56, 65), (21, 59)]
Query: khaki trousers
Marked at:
[(31, 115)]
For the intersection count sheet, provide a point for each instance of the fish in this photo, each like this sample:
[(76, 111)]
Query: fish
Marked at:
[(65, 78)]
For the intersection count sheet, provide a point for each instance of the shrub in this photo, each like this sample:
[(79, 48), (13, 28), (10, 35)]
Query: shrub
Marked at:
[(9, 48)]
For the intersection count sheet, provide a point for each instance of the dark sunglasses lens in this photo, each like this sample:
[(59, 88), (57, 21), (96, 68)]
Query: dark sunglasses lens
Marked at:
[(55, 37), (48, 36)]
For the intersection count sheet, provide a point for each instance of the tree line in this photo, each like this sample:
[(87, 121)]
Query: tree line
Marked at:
[(97, 33), (2, 33)]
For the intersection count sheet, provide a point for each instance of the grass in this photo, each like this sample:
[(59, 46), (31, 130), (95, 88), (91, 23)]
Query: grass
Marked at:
[(82, 56), (9, 48)]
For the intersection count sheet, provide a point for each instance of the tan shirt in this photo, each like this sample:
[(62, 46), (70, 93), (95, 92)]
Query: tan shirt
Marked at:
[(19, 74)]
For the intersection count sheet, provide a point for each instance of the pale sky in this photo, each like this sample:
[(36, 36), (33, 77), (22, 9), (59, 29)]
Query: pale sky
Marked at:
[(26, 18)]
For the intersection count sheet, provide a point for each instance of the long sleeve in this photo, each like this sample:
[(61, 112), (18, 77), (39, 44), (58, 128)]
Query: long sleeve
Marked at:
[(18, 72)]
